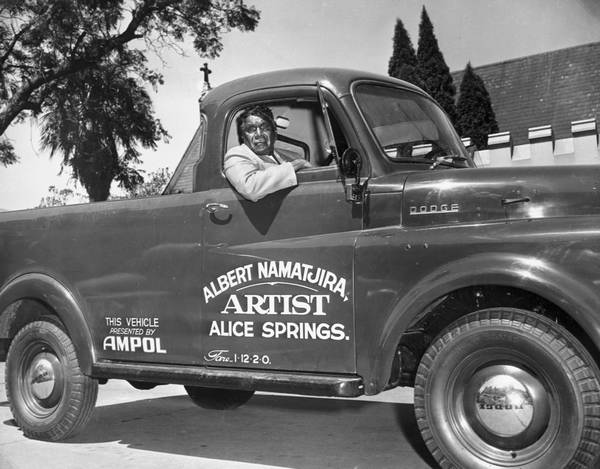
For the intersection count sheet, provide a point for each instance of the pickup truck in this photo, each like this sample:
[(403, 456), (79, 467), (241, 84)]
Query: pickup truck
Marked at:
[(393, 262)]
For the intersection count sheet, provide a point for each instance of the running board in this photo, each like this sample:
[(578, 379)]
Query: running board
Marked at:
[(295, 383)]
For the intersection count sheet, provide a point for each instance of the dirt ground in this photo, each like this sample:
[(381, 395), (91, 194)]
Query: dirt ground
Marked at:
[(163, 428)]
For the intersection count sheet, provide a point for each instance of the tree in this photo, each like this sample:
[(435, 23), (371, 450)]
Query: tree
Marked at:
[(434, 72), (96, 119), (475, 115), (43, 42), (403, 62), (7, 153), (59, 197), (151, 186)]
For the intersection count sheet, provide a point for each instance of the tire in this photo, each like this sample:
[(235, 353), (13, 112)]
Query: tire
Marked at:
[(50, 398), (508, 388), (217, 398)]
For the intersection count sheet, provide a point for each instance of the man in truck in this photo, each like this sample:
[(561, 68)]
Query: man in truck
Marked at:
[(253, 167)]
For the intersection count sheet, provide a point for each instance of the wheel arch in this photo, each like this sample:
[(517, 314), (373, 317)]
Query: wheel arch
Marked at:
[(559, 293), (52, 296)]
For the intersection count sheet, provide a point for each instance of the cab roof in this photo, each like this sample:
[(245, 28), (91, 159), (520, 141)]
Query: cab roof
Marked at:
[(337, 80)]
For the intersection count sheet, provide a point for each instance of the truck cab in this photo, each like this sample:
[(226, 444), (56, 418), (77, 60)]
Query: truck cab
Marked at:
[(299, 244)]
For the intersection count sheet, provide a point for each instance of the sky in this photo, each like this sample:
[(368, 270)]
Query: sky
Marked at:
[(304, 33)]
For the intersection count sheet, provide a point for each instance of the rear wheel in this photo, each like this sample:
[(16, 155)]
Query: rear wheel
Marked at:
[(50, 398), (509, 388), (216, 398)]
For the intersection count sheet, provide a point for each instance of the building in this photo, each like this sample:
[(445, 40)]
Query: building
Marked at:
[(547, 107)]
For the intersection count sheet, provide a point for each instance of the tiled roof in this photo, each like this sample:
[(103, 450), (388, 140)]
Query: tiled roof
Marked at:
[(551, 88)]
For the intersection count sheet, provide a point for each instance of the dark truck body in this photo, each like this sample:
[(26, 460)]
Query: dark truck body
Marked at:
[(310, 290)]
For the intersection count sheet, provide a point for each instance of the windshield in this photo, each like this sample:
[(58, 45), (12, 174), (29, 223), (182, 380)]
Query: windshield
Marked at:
[(409, 126)]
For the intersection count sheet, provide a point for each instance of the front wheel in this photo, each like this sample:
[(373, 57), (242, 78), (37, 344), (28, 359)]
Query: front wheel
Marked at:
[(508, 388), (50, 398)]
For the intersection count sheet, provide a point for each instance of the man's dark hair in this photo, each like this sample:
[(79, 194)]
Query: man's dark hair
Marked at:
[(259, 110)]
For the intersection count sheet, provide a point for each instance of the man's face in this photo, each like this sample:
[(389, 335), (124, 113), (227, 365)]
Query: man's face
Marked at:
[(258, 135)]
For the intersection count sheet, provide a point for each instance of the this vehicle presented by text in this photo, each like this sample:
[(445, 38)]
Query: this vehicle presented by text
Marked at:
[(393, 262)]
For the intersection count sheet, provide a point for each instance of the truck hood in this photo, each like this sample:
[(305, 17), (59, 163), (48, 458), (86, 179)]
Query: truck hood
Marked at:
[(489, 194)]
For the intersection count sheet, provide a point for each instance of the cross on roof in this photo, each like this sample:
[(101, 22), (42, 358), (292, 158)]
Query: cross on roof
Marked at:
[(207, 71)]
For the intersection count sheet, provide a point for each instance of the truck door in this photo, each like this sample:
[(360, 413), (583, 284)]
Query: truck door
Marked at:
[(277, 278)]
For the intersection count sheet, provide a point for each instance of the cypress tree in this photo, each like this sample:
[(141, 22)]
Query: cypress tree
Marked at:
[(403, 62), (475, 115), (432, 67)]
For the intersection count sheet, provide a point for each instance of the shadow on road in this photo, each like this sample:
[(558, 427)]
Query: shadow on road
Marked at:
[(273, 430)]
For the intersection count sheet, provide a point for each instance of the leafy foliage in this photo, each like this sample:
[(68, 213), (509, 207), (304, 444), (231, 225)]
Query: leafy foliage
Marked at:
[(434, 72), (403, 62), (48, 48), (58, 197), (476, 118), (152, 185), (42, 42), (97, 118), (7, 152)]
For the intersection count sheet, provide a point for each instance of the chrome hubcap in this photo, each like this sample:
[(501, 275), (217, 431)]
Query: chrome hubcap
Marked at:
[(44, 379), (504, 406), (507, 406)]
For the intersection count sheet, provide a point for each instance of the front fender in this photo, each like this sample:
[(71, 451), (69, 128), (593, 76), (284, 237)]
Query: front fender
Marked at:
[(575, 295), (46, 289)]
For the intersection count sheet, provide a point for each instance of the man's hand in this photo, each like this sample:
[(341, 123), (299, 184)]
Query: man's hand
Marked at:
[(300, 164)]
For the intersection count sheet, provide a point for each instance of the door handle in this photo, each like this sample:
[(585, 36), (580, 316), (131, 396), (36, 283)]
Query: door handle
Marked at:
[(517, 200), (214, 207)]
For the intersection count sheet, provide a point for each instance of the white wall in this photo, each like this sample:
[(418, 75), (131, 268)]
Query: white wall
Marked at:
[(581, 148)]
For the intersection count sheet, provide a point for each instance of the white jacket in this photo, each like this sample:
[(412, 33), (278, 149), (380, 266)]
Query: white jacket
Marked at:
[(255, 176)]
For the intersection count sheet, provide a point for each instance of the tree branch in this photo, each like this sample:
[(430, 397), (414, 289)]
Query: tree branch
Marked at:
[(77, 44), (21, 99), (34, 106), (13, 43)]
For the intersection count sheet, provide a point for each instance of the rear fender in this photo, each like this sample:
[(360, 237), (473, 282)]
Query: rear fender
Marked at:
[(52, 293)]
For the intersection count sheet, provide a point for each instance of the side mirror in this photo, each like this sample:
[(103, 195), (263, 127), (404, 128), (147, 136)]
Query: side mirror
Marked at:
[(350, 165)]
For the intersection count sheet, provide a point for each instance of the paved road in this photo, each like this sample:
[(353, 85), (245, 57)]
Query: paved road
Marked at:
[(162, 428)]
